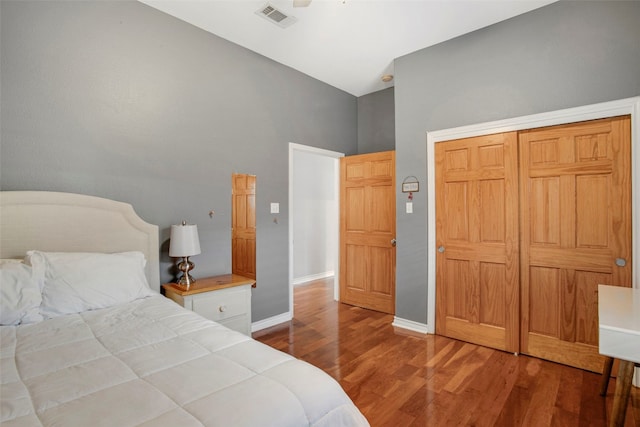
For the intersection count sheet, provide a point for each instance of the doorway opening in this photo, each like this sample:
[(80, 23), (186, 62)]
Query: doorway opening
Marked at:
[(314, 194)]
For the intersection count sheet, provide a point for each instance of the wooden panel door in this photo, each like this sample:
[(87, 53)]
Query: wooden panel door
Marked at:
[(477, 281), (243, 225), (576, 228), (367, 231)]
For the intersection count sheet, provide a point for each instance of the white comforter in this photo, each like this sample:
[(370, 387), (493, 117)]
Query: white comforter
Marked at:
[(152, 363)]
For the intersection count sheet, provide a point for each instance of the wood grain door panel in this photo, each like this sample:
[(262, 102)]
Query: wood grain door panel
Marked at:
[(243, 225), (575, 221), (575, 213), (367, 228), (477, 231)]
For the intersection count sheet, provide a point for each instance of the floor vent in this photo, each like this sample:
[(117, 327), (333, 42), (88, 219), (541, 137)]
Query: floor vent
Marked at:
[(271, 14)]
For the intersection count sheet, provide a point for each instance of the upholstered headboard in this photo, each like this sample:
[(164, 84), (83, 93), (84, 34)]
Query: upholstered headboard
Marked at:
[(66, 222)]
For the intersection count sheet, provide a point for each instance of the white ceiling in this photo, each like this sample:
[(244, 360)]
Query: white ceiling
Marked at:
[(348, 44)]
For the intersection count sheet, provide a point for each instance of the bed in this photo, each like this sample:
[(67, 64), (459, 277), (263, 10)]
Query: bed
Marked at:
[(87, 340)]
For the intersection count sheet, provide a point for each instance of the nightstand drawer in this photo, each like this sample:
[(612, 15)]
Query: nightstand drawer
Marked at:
[(222, 304), (225, 299)]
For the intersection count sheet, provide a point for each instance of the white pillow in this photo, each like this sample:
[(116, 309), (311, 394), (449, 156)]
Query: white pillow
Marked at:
[(20, 296), (78, 281)]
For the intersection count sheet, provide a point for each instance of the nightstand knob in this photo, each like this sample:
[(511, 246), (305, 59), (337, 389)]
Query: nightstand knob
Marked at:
[(222, 308)]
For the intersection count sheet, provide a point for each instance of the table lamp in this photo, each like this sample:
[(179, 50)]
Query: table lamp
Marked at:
[(184, 243)]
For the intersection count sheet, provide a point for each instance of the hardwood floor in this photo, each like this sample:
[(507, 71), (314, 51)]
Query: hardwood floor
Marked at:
[(397, 378)]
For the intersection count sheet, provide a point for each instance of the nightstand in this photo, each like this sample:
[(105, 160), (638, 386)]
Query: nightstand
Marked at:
[(225, 299)]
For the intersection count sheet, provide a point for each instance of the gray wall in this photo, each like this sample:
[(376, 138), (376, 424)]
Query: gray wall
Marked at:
[(376, 122), (118, 100), (567, 54)]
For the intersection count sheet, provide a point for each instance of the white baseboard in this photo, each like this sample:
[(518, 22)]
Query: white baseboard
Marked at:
[(271, 321), (410, 325), (312, 277)]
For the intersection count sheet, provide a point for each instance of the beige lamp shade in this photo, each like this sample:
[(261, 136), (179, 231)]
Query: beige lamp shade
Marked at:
[(184, 240)]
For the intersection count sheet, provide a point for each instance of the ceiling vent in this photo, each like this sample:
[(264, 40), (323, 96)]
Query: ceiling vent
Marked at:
[(271, 14)]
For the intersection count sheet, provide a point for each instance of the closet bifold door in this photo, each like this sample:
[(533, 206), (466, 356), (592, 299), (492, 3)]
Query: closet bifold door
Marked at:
[(575, 198), (477, 278)]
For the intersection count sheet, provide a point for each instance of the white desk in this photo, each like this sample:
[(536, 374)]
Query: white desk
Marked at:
[(619, 331)]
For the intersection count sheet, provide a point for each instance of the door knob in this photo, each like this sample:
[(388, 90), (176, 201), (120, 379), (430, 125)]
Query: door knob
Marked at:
[(621, 262), (441, 249), (393, 242)]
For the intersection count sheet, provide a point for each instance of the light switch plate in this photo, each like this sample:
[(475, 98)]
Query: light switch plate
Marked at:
[(275, 207), (409, 207)]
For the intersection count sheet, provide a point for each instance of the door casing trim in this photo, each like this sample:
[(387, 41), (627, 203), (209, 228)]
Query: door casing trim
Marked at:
[(620, 107)]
